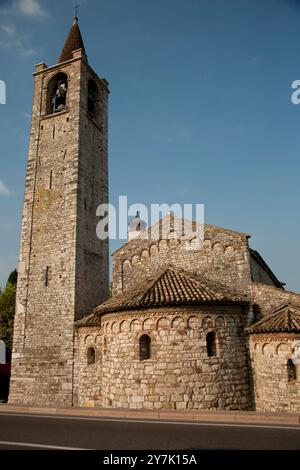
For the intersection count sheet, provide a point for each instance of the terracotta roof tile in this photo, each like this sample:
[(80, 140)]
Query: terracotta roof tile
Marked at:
[(168, 287), (286, 319)]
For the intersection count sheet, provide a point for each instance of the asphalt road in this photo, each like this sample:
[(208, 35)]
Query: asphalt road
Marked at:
[(25, 431)]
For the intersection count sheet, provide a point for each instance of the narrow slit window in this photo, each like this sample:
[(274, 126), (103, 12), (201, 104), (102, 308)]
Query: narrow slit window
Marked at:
[(145, 347), (51, 180), (291, 371), (47, 276), (211, 344), (91, 356)]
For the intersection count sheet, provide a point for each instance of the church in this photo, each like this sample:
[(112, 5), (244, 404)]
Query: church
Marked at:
[(210, 327)]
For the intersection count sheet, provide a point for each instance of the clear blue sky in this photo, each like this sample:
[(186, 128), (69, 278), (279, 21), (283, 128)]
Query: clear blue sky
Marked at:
[(200, 109)]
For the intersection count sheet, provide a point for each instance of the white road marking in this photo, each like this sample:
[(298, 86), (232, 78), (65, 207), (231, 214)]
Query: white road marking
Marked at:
[(152, 421), (39, 446)]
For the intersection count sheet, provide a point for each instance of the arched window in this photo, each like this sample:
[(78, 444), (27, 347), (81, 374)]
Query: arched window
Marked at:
[(93, 99), (91, 356), (211, 344), (57, 93), (291, 371), (145, 347)]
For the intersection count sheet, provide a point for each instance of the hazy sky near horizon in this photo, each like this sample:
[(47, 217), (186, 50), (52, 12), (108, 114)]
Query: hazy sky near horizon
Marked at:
[(200, 109)]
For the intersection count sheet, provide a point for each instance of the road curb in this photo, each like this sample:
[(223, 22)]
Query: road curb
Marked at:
[(244, 417)]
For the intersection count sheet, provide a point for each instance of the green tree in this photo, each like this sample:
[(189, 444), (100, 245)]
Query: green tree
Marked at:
[(7, 310)]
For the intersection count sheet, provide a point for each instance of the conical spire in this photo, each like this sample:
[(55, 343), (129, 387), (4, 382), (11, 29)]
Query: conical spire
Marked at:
[(74, 41)]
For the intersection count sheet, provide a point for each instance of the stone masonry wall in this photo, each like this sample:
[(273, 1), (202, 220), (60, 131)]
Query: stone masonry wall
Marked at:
[(224, 257), (51, 269), (259, 274), (273, 391), (92, 253), (270, 298), (88, 377), (179, 374)]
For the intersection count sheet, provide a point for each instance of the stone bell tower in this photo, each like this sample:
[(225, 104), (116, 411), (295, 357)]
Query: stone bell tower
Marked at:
[(63, 266)]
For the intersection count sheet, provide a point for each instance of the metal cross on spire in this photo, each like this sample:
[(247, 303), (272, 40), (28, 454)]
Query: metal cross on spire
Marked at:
[(76, 7)]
